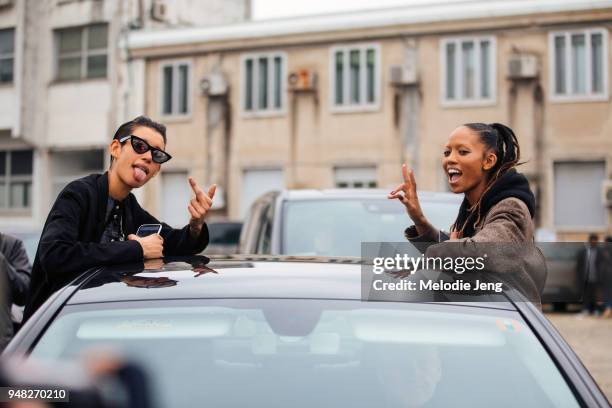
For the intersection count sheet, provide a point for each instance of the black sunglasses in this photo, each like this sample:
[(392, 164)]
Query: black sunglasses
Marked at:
[(141, 146)]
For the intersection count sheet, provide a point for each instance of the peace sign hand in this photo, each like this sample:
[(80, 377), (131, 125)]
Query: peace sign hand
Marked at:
[(199, 206), (407, 194)]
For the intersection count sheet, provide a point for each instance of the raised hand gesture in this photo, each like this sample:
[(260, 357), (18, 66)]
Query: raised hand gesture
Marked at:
[(199, 205), (407, 194)]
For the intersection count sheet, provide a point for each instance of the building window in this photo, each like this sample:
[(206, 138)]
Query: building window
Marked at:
[(263, 85), (82, 52), (7, 55), (175, 194), (175, 85), (468, 70), (355, 76), (584, 180), (579, 64), (355, 177), (16, 179)]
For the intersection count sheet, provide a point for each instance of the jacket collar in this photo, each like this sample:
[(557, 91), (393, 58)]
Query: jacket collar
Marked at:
[(103, 195)]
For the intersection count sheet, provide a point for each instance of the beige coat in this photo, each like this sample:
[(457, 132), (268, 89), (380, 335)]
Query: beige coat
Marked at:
[(506, 236)]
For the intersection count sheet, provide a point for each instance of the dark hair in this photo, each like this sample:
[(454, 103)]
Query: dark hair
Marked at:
[(504, 143), (609, 238), (128, 127), (593, 237)]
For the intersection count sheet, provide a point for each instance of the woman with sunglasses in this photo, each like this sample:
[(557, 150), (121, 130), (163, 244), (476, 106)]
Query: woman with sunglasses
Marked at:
[(498, 207), (94, 219)]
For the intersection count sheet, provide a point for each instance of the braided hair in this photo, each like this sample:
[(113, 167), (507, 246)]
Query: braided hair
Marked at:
[(504, 143)]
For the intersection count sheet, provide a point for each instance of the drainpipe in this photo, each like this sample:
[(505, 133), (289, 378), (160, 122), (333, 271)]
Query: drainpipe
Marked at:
[(539, 134), (302, 82), (524, 71), (405, 81), (140, 17), (218, 133)]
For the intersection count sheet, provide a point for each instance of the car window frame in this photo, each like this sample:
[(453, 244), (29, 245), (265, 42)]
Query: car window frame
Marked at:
[(264, 237), (575, 374)]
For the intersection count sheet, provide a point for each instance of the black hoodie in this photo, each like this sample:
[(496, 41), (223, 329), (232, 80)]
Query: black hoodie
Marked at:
[(510, 184)]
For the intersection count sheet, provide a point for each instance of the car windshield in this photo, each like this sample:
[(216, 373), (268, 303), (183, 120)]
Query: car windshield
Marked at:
[(338, 227), (318, 353)]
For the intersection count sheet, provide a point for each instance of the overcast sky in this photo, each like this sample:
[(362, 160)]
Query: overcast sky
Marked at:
[(263, 9)]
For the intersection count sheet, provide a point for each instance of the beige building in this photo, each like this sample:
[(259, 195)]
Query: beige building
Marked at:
[(342, 100), (64, 88)]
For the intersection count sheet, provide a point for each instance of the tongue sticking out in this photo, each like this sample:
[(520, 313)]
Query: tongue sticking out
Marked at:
[(139, 174)]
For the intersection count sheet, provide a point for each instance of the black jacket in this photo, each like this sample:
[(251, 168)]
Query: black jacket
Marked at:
[(14, 281), (70, 240), (14, 259), (583, 274)]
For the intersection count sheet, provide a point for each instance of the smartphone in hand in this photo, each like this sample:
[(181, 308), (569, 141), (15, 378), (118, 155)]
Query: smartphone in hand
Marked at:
[(148, 229)]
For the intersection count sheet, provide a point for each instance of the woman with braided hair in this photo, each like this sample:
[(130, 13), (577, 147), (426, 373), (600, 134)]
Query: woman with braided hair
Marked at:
[(498, 207)]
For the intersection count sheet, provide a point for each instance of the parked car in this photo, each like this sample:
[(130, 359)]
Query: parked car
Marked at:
[(563, 285), (290, 331), (224, 237), (334, 222)]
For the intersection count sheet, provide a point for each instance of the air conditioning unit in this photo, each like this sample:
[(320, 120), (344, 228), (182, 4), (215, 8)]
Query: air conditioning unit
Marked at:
[(606, 192), (523, 66), (304, 79), (403, 75), (159, 10), (214, 84), (6, 3)]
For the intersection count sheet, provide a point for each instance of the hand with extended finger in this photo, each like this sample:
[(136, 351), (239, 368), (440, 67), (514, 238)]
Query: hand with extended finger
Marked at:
[(199, 206), (152, 245), (407, 194)]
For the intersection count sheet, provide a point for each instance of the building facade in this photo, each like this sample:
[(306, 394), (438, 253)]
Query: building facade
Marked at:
[(65, 86), (342, 100)]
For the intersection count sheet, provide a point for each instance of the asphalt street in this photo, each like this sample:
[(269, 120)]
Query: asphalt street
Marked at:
[(591, 339)]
